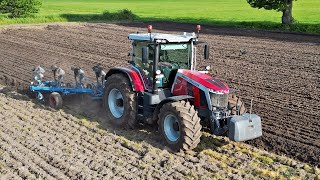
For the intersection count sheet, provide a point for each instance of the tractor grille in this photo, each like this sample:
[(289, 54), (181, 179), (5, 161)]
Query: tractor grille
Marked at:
[(219, 100)]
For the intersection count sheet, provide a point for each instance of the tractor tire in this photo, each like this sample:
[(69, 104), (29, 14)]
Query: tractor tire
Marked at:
[(179, 125), (233, 102), (119, 102), (55, 100)]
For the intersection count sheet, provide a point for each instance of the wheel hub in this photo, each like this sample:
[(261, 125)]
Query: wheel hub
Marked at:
[(119, 102), (176, 126)]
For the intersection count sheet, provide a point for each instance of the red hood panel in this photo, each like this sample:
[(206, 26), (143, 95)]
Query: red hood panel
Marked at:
[(206, 80)]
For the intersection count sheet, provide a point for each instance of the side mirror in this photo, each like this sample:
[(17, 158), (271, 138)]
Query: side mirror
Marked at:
[(145, 54), (206, 51)]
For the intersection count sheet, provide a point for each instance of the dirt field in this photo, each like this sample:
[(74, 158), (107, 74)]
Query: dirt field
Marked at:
[(37, 142), (279, 71)]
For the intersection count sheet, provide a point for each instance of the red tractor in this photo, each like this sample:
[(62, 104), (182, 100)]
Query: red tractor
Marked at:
[(163, 86)]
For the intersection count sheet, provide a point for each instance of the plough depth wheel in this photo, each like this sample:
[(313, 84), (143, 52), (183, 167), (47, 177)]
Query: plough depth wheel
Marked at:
[(55, 100)]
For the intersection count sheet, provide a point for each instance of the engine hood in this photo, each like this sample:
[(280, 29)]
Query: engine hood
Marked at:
[(200, 79)]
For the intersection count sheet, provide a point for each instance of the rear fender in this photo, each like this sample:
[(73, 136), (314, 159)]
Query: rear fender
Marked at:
[(167, 100), (134, 77)]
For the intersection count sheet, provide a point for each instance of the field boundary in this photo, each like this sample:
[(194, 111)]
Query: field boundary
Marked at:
[(166, 26)]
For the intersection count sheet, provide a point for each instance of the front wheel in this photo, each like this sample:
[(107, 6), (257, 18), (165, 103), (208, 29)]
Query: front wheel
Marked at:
[(179, 125), (120, 102)]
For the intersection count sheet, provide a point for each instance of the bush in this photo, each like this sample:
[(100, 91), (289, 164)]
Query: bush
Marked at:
[(123, 14), (19, 8), (126, 14)]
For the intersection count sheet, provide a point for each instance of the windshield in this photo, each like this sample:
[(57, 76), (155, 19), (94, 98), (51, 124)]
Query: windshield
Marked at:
[(178, 55)]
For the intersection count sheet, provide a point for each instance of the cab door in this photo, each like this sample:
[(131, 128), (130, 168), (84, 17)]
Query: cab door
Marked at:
[(145, 69)]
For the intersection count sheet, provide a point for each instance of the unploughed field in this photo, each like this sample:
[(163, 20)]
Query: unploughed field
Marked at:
[(218, 12), (279, 71)]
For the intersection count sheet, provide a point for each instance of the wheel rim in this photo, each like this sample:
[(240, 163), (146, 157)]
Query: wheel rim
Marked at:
[(115, 102), (39, 96), (171, 127)]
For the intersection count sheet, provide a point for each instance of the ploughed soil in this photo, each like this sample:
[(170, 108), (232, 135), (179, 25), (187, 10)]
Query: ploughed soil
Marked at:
[(279, 71), (37, 142)]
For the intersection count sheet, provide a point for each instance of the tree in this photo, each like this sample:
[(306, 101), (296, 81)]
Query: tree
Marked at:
[(279, 5), (19, 8)]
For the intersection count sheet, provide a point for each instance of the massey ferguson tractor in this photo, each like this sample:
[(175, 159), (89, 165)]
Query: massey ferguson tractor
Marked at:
[(162, 86)]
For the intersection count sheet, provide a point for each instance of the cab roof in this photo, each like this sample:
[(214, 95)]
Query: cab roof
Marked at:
[(186, 37)]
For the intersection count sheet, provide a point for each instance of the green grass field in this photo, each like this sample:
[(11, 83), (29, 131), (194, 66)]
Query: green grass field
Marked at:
[(217, 12)]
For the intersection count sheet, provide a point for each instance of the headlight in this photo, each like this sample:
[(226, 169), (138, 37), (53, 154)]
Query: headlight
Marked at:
[(219, 100)]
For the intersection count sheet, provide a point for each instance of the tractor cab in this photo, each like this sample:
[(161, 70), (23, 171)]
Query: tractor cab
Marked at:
[(158, 56)]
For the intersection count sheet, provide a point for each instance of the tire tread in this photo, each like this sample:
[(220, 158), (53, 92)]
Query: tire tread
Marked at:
[(190, 123)]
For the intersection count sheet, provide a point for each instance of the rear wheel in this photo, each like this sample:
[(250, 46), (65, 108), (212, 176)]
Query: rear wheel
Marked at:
[(55, 100), (179, 125), (236, 105), (120, 102)]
